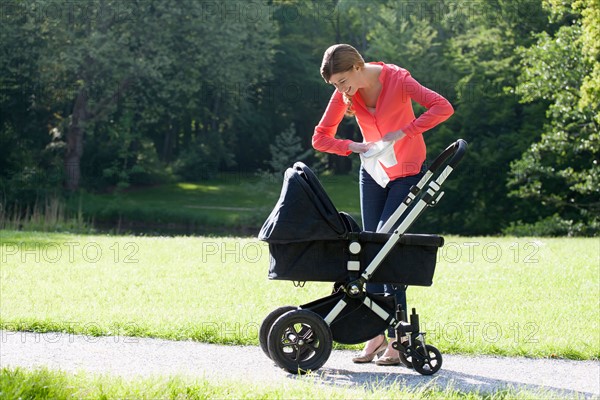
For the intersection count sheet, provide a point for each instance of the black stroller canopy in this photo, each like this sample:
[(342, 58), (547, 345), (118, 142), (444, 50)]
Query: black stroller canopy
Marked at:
[(303, 212)]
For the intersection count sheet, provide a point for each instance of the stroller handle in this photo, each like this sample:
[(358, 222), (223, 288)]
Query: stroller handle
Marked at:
[(456, 150)]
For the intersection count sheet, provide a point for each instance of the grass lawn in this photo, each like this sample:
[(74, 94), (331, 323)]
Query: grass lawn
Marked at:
[(231, 202), (508, 296), (43, 384)]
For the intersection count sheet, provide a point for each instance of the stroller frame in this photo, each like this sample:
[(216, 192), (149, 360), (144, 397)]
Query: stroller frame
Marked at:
[(299, 339)]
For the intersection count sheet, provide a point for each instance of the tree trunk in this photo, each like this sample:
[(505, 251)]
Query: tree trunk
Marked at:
[(187, 131), (81, 114), (169, 142), (75, 142)]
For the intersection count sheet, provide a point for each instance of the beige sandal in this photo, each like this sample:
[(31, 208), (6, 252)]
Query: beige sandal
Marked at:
[(366, 358)]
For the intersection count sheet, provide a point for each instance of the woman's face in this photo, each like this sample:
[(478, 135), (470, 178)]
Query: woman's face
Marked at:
[(346, 82)]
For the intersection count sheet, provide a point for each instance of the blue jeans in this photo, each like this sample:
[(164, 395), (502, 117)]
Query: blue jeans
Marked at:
[(377, 204)]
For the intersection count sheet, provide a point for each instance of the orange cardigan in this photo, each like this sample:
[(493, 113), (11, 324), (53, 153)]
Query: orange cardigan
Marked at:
[(393, 111)]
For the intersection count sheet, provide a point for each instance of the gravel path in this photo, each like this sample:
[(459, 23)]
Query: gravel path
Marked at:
[(133, 357)]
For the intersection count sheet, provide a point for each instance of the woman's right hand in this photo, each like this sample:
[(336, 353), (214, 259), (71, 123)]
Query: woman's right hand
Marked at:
[(360, 147)]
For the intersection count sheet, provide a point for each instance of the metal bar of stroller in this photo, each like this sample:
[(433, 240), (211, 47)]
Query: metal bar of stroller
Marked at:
[(414, 193), (432, 195), (429, 198), (457, 149)]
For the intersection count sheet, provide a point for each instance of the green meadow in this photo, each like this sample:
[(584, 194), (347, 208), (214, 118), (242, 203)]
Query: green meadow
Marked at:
[(228, 203), (534, 297), (45, 384)]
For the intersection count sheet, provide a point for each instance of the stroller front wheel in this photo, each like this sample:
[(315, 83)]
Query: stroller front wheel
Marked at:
[(300, 341), (429, 361), (406, 360)]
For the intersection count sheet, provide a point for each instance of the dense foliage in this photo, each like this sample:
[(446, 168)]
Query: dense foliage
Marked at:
[(104, 95)]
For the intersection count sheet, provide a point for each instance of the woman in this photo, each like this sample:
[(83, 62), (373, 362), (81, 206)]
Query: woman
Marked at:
[(379, 96)]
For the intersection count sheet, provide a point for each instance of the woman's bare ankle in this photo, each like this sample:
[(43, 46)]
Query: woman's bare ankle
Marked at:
[(390, 351), (373, 344)]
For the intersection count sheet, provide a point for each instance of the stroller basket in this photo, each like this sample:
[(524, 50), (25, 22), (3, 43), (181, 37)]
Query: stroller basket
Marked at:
[(411, 261), (309, 240)]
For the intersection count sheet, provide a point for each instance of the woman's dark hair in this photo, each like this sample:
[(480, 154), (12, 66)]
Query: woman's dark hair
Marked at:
[(341, 58)]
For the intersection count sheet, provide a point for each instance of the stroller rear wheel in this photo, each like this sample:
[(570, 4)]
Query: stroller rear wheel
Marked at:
[(266, 325), (300, 341), (429, 361)]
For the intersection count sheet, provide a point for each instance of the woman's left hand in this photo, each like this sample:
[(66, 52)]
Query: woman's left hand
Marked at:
[(393, 136)]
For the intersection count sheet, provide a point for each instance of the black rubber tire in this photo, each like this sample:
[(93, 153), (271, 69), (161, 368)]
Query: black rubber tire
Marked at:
[(300, 341), (404, 359), (432, 360), (266, 325), (407, 361)]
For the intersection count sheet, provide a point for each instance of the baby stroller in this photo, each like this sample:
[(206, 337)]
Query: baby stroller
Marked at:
[(309, 240)]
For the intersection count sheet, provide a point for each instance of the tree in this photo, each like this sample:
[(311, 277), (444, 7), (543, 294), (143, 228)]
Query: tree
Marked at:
[(128, 80), (286, 150), (561, 170), (465, 51), (112, 94), (30, 158)]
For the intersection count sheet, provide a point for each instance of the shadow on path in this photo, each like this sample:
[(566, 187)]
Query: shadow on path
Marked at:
[(443, 379)]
